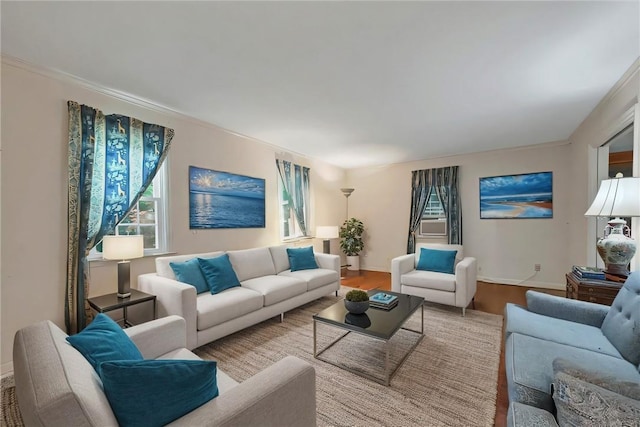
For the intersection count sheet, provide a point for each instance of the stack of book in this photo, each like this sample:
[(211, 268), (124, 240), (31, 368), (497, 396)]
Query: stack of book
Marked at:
[(383, 300), (583, 272)]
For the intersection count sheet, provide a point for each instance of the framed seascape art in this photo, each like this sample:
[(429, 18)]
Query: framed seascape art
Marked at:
[(225, 200), (528, 195)]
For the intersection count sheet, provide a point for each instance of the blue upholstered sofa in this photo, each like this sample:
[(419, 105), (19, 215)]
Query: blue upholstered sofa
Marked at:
[(600, 345)]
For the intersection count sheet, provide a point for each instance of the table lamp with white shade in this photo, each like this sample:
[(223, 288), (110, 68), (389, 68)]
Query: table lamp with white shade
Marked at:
[(123, 248), (617, 198), (327, 232)]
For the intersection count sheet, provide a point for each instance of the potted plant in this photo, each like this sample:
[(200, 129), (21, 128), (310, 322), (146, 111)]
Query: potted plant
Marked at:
[(356, 301), (351, 242)]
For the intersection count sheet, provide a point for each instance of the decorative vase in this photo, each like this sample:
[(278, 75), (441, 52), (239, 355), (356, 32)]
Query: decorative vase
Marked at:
[(616, 248), (353, 263), (356, 307)]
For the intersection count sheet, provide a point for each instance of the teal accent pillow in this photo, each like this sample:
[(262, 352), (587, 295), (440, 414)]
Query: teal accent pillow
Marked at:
[(437, 260), (189, 272), (156, 392), (218, 272), (301, 258), (104, 341)]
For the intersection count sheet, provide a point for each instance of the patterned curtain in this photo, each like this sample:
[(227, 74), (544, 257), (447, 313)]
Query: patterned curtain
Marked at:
[(296, 190), (445, 182), (112, 160), (421, 186), (447, 188)]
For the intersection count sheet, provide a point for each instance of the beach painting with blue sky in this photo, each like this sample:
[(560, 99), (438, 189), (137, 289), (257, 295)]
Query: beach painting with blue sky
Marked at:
[(527, 195), (225, 200)]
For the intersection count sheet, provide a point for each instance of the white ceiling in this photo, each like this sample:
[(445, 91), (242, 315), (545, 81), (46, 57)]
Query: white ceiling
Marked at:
[(353, 83)]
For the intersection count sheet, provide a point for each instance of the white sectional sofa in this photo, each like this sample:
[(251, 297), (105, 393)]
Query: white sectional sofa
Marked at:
[(268, 288)]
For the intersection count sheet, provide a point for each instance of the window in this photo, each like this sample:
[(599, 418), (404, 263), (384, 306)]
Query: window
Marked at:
[(289, 228), (148, 218), (433, 209), (293, 199)]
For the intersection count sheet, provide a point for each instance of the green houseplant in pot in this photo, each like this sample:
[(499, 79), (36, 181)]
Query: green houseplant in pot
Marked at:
[(351, 242), (356, 301)]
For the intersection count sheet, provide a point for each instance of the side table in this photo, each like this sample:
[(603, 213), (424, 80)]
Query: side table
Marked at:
[(598, 291), (110, 302)]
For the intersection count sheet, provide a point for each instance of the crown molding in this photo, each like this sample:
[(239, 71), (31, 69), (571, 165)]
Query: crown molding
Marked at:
[(626, 78), (129, 98), (621, 83)]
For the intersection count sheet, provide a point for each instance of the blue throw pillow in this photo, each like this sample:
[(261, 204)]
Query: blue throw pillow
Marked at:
[(189, 272), (104, 341), (301, 258), (218, 272), (437, 260), (156, 392)]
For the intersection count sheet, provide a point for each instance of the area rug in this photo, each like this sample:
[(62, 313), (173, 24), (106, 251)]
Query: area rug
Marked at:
[(450, 379)]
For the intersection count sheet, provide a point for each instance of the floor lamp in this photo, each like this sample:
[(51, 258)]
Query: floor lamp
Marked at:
[(347, 192)]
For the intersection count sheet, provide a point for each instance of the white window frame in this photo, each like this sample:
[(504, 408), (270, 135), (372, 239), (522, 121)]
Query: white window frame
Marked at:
[(433, 208), (161, 197), (292, 222)]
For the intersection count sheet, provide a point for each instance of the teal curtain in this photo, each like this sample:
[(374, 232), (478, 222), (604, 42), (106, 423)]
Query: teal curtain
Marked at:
[(112, 160), (445, 182), (296, 191)]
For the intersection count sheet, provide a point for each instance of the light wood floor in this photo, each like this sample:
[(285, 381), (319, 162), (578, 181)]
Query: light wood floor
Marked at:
[(490, 298)]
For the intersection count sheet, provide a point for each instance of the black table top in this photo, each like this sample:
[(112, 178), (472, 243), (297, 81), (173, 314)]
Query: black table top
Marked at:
[(111, 301), (383, 323)]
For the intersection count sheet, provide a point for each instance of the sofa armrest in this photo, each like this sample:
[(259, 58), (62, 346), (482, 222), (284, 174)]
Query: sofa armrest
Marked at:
[(328, 261), (173, 298), (584, 312), (466, 281), (399, 266), (521, 415), (159, 336), (284, 394)]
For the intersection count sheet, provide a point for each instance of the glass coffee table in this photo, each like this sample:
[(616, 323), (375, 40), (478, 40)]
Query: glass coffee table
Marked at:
[(378, 324)]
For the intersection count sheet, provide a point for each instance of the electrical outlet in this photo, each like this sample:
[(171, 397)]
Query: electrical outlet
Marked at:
[(536, 267)]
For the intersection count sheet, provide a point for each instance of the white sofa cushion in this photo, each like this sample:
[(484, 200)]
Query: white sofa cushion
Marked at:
[(226, 305), (276, 288), (429, 280), (315, 278), (251, 263), (163, 269), (280, 258)]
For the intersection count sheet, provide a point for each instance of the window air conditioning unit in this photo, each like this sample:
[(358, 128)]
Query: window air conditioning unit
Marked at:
[(433, 227)]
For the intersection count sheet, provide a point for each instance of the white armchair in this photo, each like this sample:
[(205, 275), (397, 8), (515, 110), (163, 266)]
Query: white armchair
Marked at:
[(456, 289)]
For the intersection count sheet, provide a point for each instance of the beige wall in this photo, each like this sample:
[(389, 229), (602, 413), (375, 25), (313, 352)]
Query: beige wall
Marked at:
[(608, 118), (34, 193), (506, 250), (34, 196)]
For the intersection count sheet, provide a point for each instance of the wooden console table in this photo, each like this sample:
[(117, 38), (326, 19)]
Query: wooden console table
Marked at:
[(598, 291)]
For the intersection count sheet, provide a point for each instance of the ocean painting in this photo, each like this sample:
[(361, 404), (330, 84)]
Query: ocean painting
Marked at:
[(517, 196), (225, 200)]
